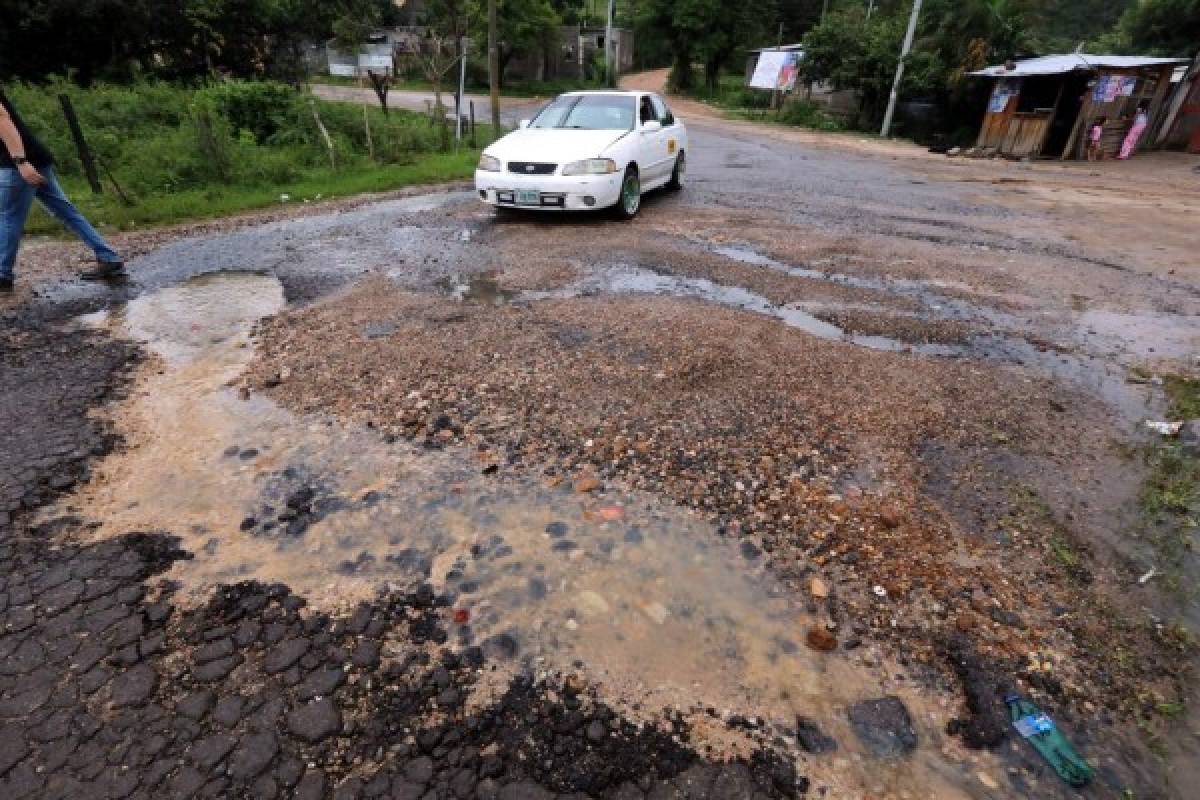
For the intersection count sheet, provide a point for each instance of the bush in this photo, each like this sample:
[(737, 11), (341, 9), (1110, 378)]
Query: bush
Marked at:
[(807, 115), (182, 151), (261, 107)]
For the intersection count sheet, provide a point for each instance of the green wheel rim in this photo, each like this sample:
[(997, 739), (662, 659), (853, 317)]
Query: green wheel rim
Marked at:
[(631, 194)]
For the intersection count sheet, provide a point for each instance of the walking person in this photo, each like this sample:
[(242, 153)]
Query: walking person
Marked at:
[(1140, 120), (27, 172)]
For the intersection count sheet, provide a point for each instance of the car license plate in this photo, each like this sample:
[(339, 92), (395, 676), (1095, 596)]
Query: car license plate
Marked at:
[(527, 197)]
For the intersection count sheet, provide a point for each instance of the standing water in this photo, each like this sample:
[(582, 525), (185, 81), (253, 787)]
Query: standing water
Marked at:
[(645, 598)]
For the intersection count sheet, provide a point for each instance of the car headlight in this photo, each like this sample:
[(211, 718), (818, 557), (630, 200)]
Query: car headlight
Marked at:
[(590, 166), (489, 163)]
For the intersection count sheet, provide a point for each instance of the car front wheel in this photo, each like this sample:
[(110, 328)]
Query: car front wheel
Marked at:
[(630, 199)]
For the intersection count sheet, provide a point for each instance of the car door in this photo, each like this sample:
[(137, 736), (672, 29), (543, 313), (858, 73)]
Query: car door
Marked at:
[(672, 133), (652, 147)]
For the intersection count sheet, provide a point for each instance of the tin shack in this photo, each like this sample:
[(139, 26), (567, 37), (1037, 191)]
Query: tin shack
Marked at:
[(1042, 107)]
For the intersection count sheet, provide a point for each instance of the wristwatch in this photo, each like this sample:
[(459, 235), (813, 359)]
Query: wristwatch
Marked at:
[(19, 160)]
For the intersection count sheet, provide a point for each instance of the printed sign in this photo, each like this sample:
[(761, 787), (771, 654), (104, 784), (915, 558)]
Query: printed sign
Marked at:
[(776, 69), (999, 99)]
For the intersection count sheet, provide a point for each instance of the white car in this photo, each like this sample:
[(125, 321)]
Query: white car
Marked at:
[(586, 150)]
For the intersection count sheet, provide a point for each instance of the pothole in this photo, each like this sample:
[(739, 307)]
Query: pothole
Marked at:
[(634, 280), (643, 597), (478, 287)]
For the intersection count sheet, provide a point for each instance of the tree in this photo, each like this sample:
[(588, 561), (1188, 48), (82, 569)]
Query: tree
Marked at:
[(851, 52), (1062, 25), (965, 35), (1159, 27), (524, 26), (118, 39)]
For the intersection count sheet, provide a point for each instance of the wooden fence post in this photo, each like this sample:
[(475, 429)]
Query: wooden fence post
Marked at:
[(85, 155), (367, 127), (312, 104)]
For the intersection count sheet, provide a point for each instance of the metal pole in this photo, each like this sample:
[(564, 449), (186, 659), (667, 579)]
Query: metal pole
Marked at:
[(610, 69), (870, 8), (908, 40)]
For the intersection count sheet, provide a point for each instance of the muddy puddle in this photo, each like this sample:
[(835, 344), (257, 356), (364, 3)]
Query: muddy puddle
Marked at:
[(478, 287), (1100, 366), (634, 280), (647, 600)]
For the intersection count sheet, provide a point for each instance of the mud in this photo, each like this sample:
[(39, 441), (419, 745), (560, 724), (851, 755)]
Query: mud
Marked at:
[(621, 640), (645, 601)]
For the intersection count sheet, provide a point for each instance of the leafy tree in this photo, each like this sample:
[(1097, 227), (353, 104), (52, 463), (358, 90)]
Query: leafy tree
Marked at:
[(1059, 26), (170, 38), (711, 31), (1159, 27), (526, 26), (849, 51), (572, 12)]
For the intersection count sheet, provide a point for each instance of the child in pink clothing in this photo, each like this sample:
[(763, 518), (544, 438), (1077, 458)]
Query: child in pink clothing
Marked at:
[(1095, 148)]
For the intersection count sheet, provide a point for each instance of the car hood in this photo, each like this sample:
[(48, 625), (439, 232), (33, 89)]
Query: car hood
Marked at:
[(553, 145)]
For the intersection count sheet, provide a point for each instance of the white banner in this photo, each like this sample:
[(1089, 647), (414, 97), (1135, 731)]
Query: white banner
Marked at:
[(776, 69)]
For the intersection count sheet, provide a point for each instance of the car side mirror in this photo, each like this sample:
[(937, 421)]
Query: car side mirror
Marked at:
[(651, 125), (523, 123)]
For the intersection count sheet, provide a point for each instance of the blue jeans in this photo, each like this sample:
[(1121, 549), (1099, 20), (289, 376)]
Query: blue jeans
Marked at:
[(16, 198)]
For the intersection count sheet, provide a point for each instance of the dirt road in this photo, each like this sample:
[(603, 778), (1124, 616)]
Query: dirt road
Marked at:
[(776, 490)]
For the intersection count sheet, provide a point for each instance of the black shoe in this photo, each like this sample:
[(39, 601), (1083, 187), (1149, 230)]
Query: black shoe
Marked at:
[(6, 285), (104, 270)]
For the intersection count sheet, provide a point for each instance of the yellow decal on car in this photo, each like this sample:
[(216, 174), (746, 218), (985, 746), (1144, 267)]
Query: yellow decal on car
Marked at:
[(670, 145)]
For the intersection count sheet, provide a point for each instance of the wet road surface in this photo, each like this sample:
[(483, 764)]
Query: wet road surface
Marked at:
[(335, 613)]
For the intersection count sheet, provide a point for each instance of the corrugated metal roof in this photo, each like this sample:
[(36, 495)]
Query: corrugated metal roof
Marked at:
[(789, 48), (1059, 64)]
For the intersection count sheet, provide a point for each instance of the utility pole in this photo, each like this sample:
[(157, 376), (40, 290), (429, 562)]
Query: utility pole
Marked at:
[(908, 40), (494, 66), (610, 69)]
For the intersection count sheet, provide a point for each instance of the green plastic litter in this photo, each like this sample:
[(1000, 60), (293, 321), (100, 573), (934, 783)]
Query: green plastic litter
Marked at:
[(1040, 731)]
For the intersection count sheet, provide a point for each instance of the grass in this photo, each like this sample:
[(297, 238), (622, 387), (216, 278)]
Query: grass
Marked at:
[(1170, 498), (183, 152), (741, 102), (107, 212)]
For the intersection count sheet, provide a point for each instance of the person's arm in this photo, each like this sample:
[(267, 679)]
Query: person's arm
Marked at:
[(16, 148)]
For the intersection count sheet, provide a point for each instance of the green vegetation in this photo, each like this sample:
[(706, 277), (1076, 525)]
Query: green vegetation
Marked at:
[(106, 40), (738, 100), (187, 153), (796, 113), (1157, 27), (849, 50), (1171, 495)]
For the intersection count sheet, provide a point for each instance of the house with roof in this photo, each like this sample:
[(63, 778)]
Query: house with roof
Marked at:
[(1043, 107)]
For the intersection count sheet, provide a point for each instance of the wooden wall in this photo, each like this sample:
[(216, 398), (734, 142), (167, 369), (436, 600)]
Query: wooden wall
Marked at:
[(1152, 85), (1012, 132), (1021, 134)]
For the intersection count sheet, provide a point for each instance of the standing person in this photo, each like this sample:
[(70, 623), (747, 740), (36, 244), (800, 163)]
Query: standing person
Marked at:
[(1095, 147), (1140, 120), (27, 172)]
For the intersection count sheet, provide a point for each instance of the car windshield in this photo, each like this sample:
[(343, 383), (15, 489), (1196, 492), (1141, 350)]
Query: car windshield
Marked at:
[(593, 112)]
